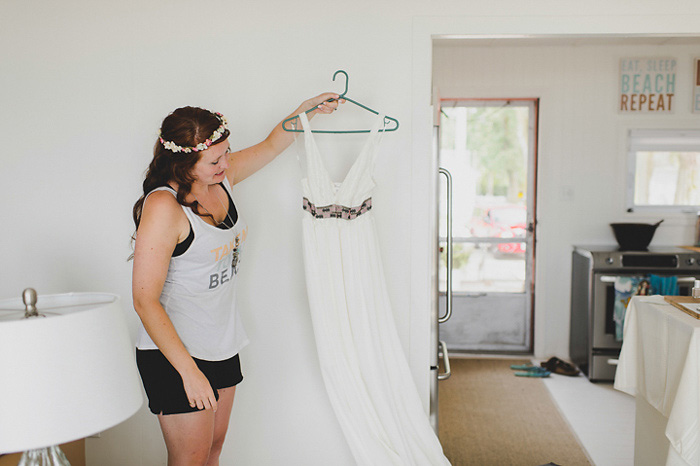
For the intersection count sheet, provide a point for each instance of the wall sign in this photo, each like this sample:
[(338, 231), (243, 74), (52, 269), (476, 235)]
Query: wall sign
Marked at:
[(696, 87), (647, 85)]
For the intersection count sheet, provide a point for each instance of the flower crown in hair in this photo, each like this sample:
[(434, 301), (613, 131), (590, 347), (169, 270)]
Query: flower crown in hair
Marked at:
[(216, 135)]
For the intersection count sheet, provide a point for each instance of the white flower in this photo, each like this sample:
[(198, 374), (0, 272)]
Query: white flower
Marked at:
[(171, 146)]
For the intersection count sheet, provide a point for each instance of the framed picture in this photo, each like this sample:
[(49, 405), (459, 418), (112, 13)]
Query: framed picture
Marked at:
[(647, 85)]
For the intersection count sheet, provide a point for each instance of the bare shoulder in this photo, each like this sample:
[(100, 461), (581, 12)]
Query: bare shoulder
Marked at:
[(158, 233), (163, 215), (161, 202)]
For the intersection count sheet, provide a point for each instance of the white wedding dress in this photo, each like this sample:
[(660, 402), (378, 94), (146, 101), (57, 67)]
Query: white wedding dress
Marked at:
[(364, 369)]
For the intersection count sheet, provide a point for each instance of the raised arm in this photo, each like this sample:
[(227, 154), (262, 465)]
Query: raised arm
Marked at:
[(162, 226), (245, 162)]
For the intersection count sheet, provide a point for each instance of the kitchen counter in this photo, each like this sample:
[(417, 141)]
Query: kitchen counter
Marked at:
[(660, 366)]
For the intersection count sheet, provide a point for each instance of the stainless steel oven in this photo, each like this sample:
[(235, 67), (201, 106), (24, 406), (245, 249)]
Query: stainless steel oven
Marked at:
[(593, 345)]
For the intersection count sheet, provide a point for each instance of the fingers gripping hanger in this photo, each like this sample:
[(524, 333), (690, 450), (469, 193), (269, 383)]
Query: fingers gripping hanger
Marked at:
[(294, 129)]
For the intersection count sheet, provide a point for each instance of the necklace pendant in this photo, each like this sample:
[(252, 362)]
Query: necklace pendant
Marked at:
[(234, 256)]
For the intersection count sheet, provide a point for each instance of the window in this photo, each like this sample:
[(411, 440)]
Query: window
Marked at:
[(664, 171), (488, 146)]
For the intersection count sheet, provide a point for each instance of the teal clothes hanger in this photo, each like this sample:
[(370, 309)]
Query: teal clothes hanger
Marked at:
[(293, 129)]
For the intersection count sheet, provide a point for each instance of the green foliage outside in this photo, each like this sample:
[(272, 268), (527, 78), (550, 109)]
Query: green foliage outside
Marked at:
[(460, 254), (497, 139)]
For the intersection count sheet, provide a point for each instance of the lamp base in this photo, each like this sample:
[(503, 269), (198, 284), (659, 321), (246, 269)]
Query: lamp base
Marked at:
[(48, 456)]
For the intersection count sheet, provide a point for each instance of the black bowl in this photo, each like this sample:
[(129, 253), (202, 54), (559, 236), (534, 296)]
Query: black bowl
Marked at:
[(634, 236)]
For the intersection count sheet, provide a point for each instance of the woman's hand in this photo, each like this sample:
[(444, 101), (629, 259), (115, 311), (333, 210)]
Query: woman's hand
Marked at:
[(245, 162), (198, 389), (325, 103)]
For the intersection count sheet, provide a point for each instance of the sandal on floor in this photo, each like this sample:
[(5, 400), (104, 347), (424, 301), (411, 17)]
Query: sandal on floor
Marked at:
[(528, 368), (523, 367), (558, 366), (540, 373), (538, 370)]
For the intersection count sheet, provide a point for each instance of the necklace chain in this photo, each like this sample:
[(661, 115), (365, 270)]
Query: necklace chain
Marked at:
[(212, 215)]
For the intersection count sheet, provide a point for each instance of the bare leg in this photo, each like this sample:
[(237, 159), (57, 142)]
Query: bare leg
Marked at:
[(221, 420), (188, 437)]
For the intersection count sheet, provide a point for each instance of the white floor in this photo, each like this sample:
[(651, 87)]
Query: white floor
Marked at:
[(601, 417)]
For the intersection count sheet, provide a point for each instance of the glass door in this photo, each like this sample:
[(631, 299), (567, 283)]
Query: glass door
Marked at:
[(489, 147)]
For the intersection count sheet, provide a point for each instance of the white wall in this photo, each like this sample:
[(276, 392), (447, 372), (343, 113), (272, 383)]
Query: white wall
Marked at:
[(582, 156), (83, 88)]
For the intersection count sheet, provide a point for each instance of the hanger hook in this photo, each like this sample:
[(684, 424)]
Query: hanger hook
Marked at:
[(346, 82)]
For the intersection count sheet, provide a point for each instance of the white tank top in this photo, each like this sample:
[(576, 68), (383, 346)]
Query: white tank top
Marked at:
[(200, 290)]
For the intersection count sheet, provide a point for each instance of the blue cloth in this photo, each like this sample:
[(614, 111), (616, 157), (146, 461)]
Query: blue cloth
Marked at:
[(626, 287), (664, 285)]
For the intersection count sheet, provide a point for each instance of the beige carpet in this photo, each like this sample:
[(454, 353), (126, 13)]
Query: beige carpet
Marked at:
[(488, 416)]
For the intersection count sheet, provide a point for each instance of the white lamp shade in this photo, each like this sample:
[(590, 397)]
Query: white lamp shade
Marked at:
[(65, 376)]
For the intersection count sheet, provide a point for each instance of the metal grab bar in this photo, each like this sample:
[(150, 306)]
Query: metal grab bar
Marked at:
[(442, 348), (448, 291)]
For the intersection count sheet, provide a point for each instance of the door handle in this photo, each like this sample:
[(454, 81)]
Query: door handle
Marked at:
[(446, 358), (448, 291)]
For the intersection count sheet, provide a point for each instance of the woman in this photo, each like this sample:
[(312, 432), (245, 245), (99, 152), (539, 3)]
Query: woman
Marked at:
[(187, 243)]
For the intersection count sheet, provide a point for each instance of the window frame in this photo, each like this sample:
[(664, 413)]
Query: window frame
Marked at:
[(657, 139)]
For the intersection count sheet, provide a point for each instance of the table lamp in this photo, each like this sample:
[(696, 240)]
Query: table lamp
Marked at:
[(67, 371)]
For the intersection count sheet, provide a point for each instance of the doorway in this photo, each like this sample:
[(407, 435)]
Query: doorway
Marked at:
[(489, 146)]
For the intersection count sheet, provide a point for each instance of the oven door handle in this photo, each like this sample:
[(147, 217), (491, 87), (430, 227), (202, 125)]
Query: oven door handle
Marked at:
[(608, 278), (611, 279)]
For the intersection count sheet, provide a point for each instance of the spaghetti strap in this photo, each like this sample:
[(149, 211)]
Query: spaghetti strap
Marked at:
[(357, 184)]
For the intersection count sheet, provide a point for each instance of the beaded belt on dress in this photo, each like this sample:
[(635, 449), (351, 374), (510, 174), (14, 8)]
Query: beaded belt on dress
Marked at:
[(337, 211)]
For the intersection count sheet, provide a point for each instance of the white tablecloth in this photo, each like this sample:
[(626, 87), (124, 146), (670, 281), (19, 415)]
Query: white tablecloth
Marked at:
[(659, 361)]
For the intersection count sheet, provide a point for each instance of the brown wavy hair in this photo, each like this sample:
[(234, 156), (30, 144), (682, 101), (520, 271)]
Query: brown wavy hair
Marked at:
[(187, 127)]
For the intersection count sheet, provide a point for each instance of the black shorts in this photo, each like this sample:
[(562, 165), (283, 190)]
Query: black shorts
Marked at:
[(163, 384)]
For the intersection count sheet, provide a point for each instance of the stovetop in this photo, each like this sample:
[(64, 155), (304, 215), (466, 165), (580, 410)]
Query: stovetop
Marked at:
[(650, 250), (607, 257)]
